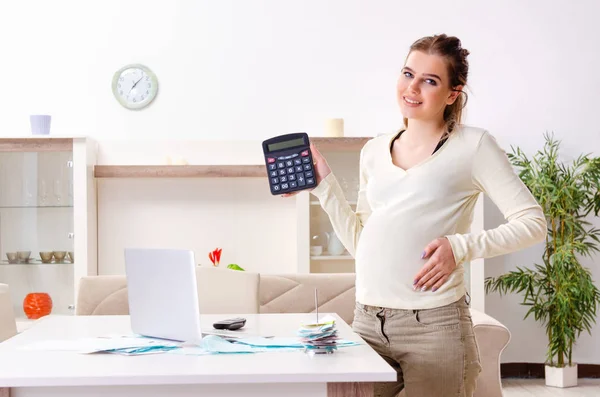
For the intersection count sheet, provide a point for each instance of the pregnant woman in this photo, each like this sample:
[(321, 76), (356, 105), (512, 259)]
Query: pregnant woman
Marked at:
[(410, 231)]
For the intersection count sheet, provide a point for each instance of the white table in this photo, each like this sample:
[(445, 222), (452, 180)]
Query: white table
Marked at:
[(349, 372)]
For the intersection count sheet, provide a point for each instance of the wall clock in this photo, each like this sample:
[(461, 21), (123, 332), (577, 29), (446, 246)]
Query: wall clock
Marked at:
[(134, 86)]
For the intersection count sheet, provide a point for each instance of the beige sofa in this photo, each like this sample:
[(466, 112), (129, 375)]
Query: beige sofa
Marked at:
[(8, 325), (223, 291)]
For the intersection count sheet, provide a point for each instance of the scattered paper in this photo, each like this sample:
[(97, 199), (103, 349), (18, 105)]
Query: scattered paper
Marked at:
[(276, 342), (311, 336), (216, 344), (125, 345), (190, 351)]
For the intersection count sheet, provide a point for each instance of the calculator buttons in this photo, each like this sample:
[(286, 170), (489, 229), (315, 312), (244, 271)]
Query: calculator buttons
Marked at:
[(291, 172)]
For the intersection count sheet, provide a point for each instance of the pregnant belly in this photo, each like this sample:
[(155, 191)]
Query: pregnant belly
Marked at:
[(395, 247)]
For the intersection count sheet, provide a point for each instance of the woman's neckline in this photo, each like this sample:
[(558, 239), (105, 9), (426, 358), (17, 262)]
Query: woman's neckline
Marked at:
[(439, 148)]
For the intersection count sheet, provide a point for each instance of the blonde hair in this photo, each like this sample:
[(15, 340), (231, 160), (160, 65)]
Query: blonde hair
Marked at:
[(448, 47)]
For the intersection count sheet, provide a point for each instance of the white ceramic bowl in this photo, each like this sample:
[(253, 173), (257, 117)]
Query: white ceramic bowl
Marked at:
[(316, 250)]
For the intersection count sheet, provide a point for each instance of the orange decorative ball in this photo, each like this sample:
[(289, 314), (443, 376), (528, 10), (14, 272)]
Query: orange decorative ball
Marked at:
[(37, 304)]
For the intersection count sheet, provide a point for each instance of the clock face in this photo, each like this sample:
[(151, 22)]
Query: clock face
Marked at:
[(134, 86)]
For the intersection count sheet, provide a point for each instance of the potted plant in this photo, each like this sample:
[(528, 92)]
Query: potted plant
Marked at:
[(560, 292)]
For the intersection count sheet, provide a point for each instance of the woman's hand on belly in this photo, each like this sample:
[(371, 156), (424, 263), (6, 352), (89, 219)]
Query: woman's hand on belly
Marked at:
[(437, 269)]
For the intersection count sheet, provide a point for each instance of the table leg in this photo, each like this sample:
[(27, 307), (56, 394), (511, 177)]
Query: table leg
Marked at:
[(4, 392), (350, 389)]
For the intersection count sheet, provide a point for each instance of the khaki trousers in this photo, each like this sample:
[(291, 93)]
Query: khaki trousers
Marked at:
[(434, 350)]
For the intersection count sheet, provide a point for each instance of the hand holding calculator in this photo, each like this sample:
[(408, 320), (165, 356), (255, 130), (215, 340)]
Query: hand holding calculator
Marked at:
[(289, 163)]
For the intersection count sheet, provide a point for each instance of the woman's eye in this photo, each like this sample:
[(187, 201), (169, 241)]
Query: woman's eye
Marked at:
[(407, 74), (430, 81)]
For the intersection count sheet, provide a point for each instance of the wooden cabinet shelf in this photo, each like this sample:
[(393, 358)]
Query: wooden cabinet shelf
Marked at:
[(347, 144), (340, 144), (34, 144), (332, 258), (179, 171)]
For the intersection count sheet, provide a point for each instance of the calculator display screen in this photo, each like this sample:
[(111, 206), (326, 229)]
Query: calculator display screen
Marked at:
[(286, 144)]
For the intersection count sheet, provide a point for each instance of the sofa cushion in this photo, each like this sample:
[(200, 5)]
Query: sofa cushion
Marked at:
[(295, 293), (220, 291), (226, 291), (102, 295)]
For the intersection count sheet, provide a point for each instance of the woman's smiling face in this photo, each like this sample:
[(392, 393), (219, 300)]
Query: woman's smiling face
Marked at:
[(423, 89)]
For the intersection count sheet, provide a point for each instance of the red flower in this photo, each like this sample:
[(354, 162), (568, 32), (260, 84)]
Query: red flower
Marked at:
[(215, 256)]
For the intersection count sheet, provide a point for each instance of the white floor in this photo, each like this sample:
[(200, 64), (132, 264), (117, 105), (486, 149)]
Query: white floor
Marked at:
[(536, 387)]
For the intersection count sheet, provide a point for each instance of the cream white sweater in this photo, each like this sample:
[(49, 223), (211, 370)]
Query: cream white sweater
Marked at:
[(399, 212)]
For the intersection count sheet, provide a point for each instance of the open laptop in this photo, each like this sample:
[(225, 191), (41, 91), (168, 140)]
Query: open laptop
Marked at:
[(163, 295)]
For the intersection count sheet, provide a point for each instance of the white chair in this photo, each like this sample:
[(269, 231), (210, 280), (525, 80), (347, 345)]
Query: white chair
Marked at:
[(8, 325)]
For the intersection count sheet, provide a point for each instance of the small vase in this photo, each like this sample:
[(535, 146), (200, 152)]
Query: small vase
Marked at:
[(37, 304), (40, 124), (334, 245)]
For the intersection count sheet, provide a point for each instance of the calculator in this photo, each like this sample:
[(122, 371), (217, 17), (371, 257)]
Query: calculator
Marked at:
[(289, 163)]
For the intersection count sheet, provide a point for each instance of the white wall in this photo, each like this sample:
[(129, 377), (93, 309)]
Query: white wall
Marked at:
[(256, 230), (253, 69)]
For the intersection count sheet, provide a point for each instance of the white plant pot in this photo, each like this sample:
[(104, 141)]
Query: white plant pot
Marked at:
[(561, 377)]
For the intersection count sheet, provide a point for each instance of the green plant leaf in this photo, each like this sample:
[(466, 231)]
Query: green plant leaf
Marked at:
[(560, 292), (233, 266)]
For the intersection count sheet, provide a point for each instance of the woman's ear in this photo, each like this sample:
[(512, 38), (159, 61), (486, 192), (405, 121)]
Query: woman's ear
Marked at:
[(454, 94)]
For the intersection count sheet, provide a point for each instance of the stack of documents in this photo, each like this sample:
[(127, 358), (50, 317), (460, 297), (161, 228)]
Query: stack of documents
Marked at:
[(319, 337)]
